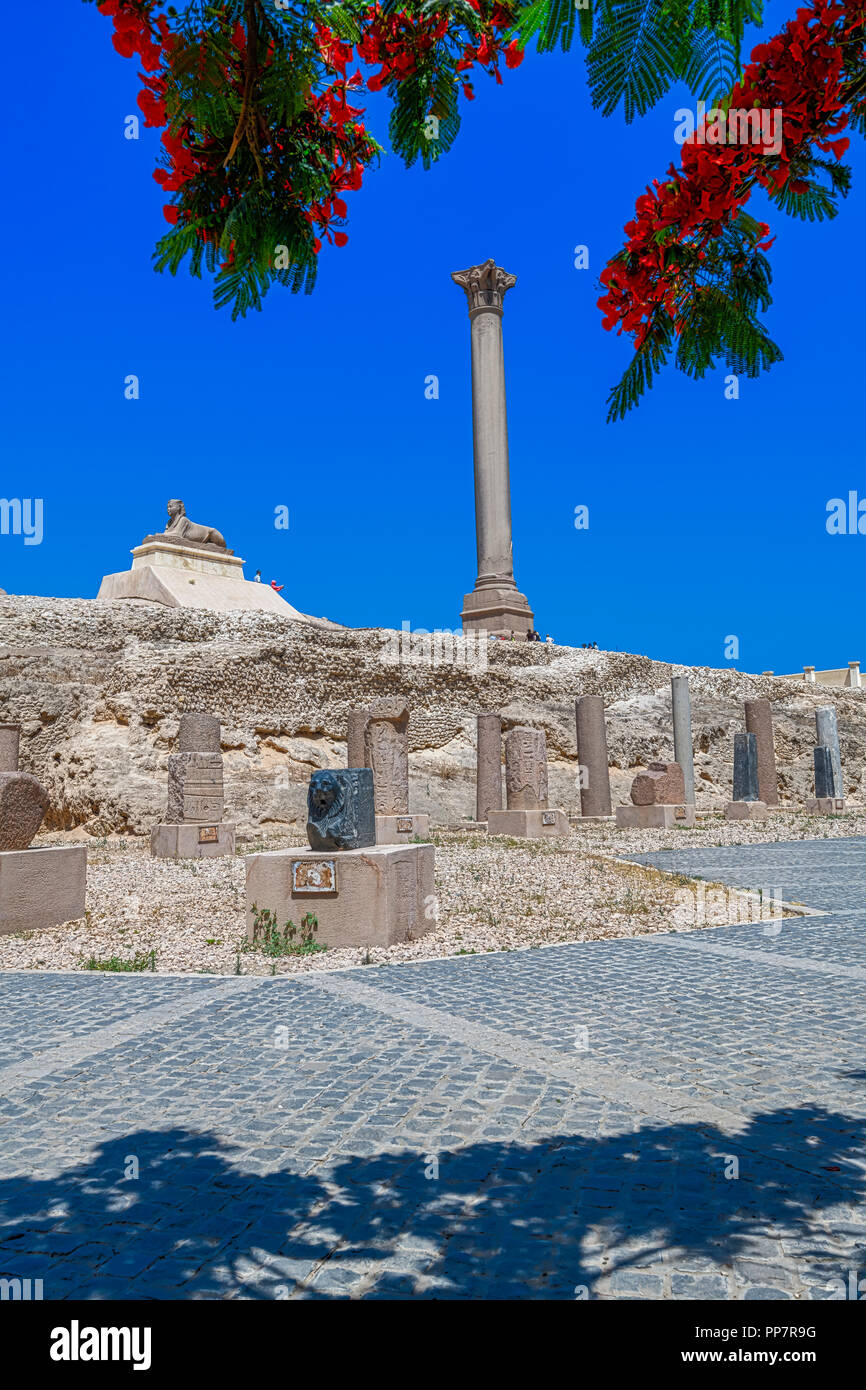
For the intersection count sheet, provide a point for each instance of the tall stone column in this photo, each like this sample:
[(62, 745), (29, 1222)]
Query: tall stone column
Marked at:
[(828, 737), (488, 795), (759, 721), (592, 756), (495, 603), (683, 749), (526, 769)]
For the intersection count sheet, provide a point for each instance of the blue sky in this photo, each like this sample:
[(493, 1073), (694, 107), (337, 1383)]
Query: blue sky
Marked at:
[(707, 516)]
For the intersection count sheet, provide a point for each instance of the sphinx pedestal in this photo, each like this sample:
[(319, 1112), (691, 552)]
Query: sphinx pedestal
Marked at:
[(360, 897), (40, 888)]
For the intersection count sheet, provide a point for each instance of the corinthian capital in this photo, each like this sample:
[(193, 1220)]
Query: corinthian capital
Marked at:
[(485, 286)]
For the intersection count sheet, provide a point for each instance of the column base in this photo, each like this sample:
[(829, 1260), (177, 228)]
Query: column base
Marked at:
[(191, 841), (500, 609), (826, 806), (745, 810), (528, 825), (401, 830), (654, 817), (40, 888), (360, 897)]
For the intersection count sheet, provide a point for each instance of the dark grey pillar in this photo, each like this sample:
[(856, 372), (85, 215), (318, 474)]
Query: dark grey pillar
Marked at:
[(746, 768), (824, 779), (828, 737)]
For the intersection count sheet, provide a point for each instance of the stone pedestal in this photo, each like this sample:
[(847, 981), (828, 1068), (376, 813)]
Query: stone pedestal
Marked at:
[(592, 756), (185, 576), (495, 604), (826, 806), (650, 817), (488, 764), (745, 810), (187, 841), (759, 721), (40, 888), (401, 830), (361, 897), (539, 824)]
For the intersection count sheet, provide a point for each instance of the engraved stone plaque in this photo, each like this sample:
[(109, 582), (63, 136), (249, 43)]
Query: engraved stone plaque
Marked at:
[(548, 818), (314, 876), (208, 835), (840, 805), (679, 813), (404, 824)]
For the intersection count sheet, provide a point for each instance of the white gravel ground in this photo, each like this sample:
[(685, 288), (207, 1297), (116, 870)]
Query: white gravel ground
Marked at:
[(494, 895)]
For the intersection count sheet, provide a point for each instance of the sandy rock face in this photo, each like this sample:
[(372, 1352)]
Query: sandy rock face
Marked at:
[(99, 688)]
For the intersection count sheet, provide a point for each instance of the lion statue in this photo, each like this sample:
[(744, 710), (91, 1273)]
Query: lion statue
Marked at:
[(340, 809), (183, 529)]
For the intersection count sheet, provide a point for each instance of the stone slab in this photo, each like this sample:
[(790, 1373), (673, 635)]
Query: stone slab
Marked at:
[(361, 897), (746, 810), (401, 830), (192, 841), (826, 806), (654, 817), (541, 824), (40, 888)]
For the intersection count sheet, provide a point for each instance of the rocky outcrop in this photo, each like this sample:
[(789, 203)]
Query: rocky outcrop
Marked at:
[(99, 688)]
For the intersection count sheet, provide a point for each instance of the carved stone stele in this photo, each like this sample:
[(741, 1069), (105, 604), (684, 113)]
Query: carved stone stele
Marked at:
[(526, 769), (23, 803), (387, 753)]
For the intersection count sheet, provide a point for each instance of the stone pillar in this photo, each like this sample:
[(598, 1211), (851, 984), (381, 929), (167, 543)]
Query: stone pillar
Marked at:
[(526, 769), (759, 721), (809, 674), (592, 756), (746, 767), (356, 752), (386, 748), (854, 677), (10, 735), (495, 603), (488, 785), (824, 780), (683, 750), (828, 737), (193, 827)]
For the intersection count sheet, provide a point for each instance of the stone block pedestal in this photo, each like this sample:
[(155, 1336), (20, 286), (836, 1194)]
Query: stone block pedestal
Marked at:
[(528, 825), (401, 830), (826, 806), (187, 841), (40, 888), (746, 810), (654, 817), (361, 897)]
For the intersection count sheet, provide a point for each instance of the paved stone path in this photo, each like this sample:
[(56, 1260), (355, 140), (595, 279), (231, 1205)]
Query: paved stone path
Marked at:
[(674, 1116)]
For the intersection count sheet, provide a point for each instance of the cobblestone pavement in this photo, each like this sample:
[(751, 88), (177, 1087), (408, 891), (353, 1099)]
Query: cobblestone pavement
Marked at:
[(674, 1116)]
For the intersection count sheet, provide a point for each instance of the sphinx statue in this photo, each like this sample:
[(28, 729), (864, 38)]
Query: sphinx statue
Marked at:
[(180, 528)]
